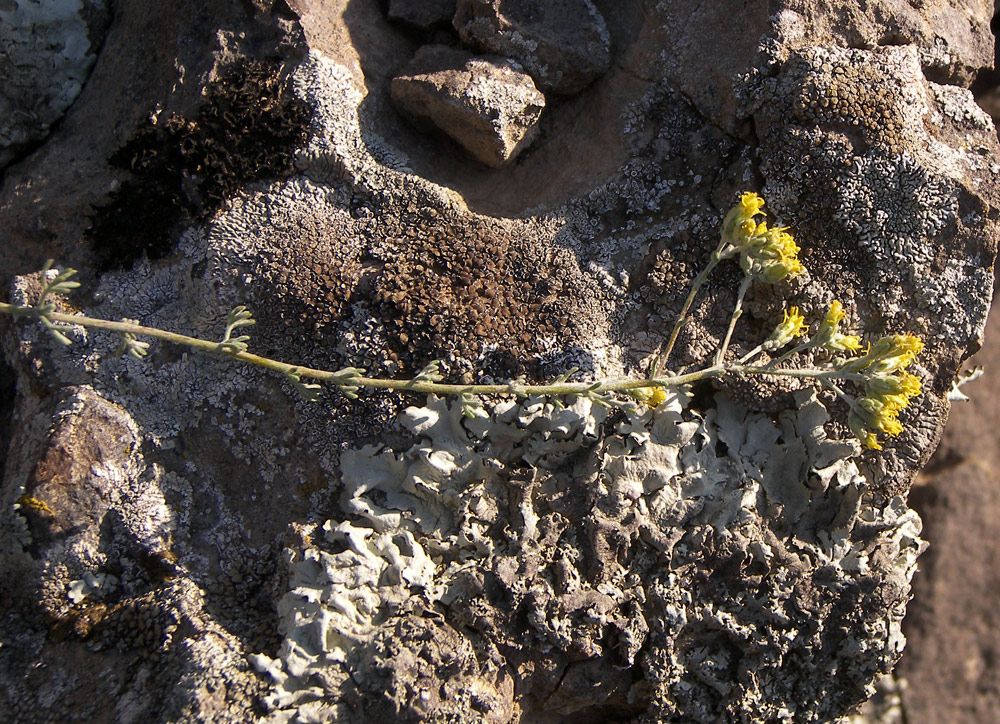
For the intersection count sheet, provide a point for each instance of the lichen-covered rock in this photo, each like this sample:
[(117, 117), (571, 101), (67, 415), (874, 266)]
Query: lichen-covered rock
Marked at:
[(643, 566), (487, 105), (48, 51), (423, 14), (729, 557), (952, 39), (563, 44)]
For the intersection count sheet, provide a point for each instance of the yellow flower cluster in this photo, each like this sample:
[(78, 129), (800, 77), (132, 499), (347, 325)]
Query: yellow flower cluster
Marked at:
[(792, 325), (770, 255), (766, 254), (888, 387)]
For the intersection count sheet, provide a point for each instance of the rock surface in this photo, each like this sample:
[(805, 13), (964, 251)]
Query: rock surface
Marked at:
[(48, 52), (487, 105), (732, 556), (423, 14), (563, 44)]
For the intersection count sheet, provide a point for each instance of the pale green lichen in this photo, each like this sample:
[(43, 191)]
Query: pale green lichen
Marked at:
[(416, 522)]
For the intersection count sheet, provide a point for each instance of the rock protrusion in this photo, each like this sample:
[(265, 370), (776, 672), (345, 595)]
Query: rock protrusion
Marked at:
[(563, 44), (487, 105), (422, 14), (48, 52)]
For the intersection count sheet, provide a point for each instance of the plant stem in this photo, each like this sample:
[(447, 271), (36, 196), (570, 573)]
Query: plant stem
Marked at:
[(660, 361), (751, 354), (737, 313), (816, 373), (339, 377), (790, 353)]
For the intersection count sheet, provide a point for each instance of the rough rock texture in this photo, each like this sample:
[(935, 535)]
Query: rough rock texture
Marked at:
[(423, 14), (952, 674), (563, 44), (628, 574), (732, 557), (48, 52), (487, 105)]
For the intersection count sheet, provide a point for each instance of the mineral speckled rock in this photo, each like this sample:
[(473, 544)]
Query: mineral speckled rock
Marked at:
[(243, 555), (423, 14), (563, 44), (48, 51), (487, 105)]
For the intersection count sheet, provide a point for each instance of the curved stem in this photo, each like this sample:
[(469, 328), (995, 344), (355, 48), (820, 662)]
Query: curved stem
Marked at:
[(737, 313)]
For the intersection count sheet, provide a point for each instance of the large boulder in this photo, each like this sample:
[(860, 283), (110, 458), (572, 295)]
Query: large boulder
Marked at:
[(185, 540)]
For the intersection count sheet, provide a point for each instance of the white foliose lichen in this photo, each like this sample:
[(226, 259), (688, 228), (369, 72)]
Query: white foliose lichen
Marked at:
[(670, 494)]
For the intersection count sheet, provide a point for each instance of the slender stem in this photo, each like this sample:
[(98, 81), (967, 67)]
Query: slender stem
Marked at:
[(851, 402), (660, 361), (737, 313), (751, 354), (338, 376), (790, 353), (816, 373), (348, 377)]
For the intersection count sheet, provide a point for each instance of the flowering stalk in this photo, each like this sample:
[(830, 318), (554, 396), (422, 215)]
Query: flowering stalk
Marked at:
[(660, 360), (766, 255)]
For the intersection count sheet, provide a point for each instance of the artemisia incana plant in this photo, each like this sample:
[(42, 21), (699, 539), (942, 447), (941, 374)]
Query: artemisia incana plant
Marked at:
[(874, 382)]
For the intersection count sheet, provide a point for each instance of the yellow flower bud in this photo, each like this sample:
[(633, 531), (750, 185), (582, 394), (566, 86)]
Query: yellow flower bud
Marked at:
[(792, 325), (739, 224), (828, 335), (868, 438)]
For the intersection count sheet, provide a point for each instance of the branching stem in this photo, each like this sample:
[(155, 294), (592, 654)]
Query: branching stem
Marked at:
[(339, 376), (353, 378), (737, 313), (660, 361)]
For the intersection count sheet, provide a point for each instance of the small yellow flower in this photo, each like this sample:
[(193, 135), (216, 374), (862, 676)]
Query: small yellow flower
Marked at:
[(889, 355), (909, 384), (792, 325), (828, 335), (834, 314), (770, 255), (904, 386), (875, 413), (739, 224), (751, 203), (651, 397)]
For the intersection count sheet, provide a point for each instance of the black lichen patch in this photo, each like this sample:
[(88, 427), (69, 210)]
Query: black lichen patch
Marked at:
[(184, 169)]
